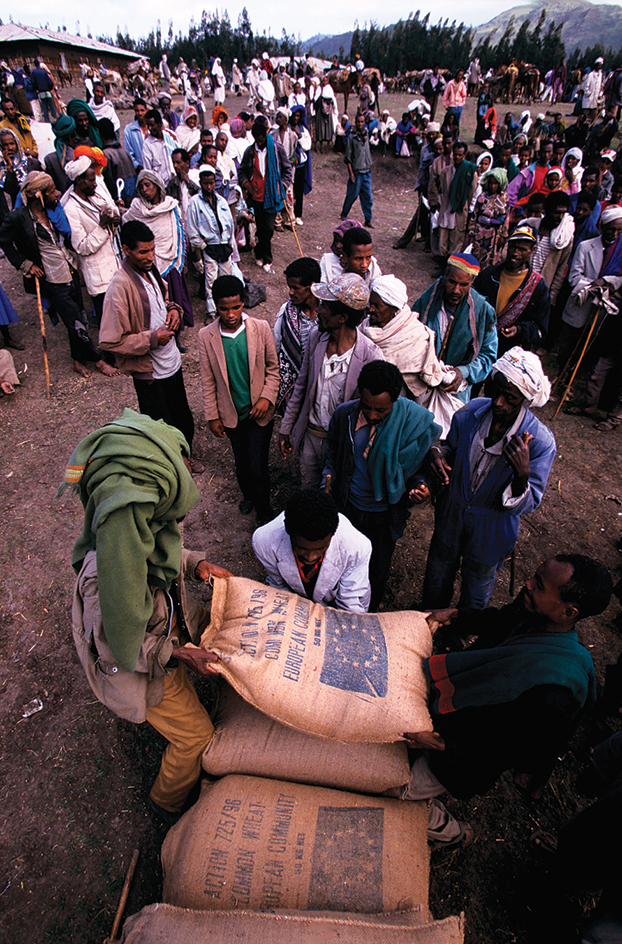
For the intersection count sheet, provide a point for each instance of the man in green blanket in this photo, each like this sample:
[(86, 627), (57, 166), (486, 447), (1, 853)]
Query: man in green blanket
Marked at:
[(376, 445), (513, 698), (456, 189), (133, 623)]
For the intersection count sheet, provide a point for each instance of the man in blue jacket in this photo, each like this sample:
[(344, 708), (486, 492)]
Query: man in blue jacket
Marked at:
[(492, 468)]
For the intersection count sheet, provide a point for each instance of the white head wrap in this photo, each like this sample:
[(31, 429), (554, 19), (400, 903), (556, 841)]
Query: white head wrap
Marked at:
[(524, 370), (75, 169), (610, 214), (391, 290)]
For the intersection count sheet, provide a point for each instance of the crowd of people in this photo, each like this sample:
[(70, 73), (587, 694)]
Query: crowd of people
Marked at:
[(388, 405)]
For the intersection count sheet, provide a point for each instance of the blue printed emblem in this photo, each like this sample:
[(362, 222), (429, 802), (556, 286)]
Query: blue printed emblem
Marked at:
[(355, 654)]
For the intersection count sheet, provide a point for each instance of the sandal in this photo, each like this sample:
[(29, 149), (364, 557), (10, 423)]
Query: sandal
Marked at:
[(607, 426), (544, 843)]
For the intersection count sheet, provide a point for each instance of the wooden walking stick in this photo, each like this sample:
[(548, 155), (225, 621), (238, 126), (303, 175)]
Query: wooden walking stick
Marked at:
[(43, 338), (562, 372), (293, 225), (329, 479), (578, 364), (123, 899)]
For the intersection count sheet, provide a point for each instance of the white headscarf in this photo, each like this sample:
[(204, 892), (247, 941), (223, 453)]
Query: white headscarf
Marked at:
[(75, 169), (524, 370), (610, 214), (391, 290)]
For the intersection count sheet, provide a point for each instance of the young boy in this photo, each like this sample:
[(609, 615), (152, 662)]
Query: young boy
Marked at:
[(240, 383)]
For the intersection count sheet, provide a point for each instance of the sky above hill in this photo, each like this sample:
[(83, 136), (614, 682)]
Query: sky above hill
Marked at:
[(303, 20)]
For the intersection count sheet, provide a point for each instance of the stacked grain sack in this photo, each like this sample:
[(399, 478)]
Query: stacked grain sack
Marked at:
[(316, 698)]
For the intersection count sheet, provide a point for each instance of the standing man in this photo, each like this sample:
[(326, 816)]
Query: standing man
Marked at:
[(37, 242), (597, 265), (519, 296), (43, 84), (158, 147), (139, 325), (240, 384), (210, 230), (592, 84), (464, 324), (492, 468), (358, 161), (265, 174), (335, 354), (403, 340), (456, 184), (134, 625), (165, 72), (135, 133), (180, 186), (433, 86), (554, 239), (312, 550), (376, 445), (93, 218)]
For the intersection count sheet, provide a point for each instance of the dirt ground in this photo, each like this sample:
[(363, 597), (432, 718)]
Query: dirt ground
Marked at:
[(74, 779)]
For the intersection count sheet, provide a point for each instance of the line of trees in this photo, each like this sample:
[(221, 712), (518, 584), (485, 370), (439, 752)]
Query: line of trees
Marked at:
[(414, 44), (213, 35)]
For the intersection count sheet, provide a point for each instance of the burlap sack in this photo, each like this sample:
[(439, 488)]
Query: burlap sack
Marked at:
[(348, 676), (258, 845), (164, 924), (248, 742)]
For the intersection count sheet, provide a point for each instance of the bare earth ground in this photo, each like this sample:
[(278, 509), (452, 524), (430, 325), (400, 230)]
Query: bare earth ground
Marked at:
[(74, 779)]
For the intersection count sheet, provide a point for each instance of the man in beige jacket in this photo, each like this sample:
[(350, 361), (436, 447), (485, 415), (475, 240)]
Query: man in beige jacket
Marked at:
[(240, 383), (138, 327)]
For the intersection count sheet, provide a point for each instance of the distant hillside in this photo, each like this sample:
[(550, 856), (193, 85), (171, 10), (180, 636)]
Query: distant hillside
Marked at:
[(329, 45), (584, 24)]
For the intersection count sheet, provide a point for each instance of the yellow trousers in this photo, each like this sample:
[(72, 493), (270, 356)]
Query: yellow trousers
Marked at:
[(186, 725)]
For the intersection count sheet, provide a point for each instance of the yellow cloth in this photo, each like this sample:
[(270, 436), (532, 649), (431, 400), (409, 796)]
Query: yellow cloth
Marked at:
[(185, 724), (509, 282), (23, 133)]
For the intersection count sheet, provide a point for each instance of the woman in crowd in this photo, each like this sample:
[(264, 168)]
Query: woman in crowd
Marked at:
[(303, 177), (162, 214), (188, 133), (573, 170), (488, 229), (87, 129), (325, 117)]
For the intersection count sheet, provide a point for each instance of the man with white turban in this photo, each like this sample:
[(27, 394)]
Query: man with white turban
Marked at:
[(595, 277), (594, 273), (401, 337), (36, 239), (492, 468), (93, 218)]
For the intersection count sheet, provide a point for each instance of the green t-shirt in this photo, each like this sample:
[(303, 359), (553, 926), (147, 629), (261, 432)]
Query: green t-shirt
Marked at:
[(236, 356)]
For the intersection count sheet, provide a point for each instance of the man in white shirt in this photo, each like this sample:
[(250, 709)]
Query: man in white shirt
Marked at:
[(312, 550), (158, 147), (210, 230)]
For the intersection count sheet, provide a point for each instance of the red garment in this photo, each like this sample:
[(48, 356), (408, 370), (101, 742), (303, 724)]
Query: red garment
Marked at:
[(258, 183)]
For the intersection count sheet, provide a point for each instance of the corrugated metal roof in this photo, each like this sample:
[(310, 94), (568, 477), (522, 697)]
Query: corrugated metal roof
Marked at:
[(16, 33)]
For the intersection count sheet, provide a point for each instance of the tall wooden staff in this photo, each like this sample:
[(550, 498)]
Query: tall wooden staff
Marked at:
[(43, 338)]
